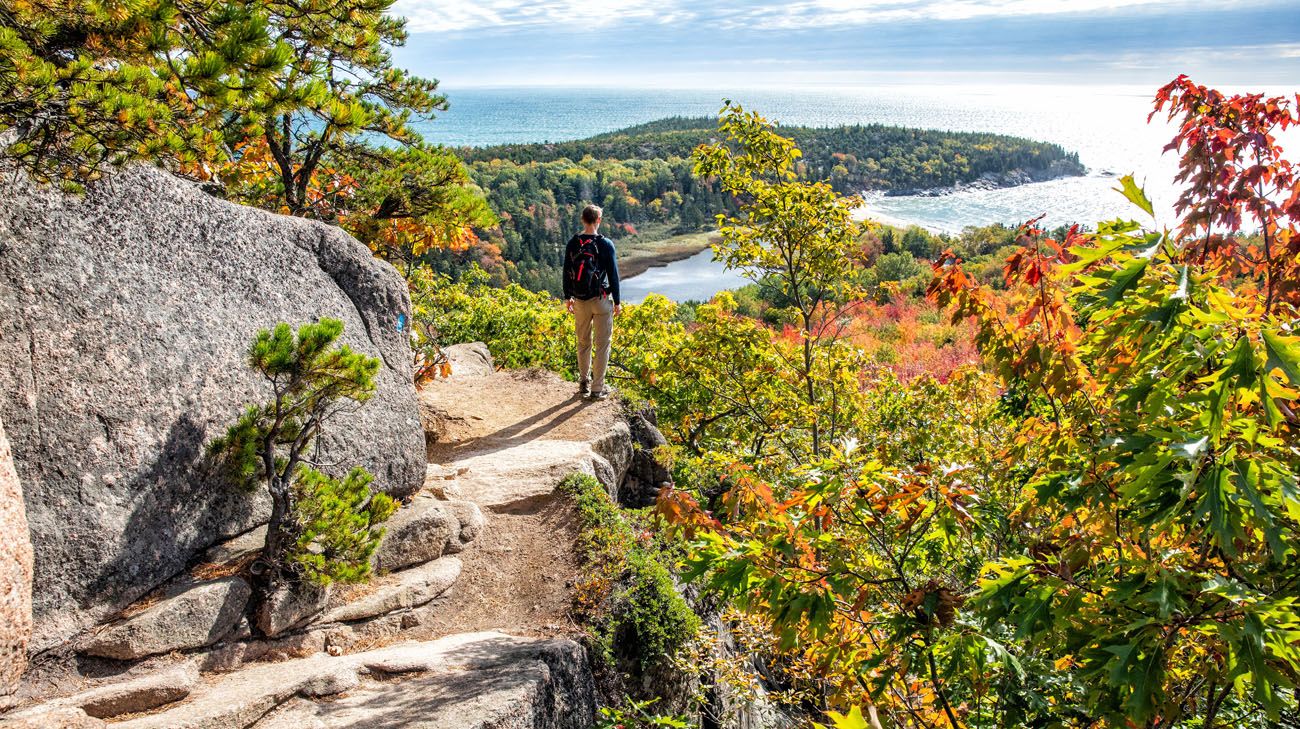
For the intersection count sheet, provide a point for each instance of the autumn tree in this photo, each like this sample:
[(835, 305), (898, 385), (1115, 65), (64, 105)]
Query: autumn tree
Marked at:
[(794, 235), (322, 528), (1236, 176), (854, 565), (1162, 371)]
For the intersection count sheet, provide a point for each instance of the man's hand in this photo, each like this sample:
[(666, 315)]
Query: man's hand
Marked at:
[(618, 309), (568, 304)]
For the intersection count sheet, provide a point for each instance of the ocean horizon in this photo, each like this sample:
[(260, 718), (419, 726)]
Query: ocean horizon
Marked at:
[(1106, 125)]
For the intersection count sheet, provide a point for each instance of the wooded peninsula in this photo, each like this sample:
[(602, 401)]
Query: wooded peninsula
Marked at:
[(644, 178)]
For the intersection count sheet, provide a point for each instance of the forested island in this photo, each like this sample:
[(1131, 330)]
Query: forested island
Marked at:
[(644, 178)]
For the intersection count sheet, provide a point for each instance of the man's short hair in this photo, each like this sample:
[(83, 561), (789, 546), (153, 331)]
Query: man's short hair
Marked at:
[(591, 214)]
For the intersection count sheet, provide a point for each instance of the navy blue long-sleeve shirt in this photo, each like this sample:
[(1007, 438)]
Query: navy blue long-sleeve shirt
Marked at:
[(604, 253)]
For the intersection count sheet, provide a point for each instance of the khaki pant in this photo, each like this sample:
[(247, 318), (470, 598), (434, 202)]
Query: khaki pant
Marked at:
[(597, 314)]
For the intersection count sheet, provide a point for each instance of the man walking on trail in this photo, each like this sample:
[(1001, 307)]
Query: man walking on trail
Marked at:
[(591, 294)]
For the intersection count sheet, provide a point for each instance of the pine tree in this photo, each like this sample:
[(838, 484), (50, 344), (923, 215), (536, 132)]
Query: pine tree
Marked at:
[(296, 104), (322, 528), (88, 84), (336, 103)]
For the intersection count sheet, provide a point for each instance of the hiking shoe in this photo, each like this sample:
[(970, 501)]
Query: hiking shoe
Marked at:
[(584, 388), (600, 395)]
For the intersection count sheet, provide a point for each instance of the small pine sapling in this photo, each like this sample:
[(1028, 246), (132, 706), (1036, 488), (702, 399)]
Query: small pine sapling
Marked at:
[(322, 529)]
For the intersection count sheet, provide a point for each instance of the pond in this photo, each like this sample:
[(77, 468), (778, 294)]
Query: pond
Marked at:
[(696, 278)]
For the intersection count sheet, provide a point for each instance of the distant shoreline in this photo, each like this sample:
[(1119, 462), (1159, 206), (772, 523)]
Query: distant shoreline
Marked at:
[(992, 181), (641, 257)]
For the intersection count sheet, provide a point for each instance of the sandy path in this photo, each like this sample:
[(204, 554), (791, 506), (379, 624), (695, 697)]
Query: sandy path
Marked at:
[(518, 433)]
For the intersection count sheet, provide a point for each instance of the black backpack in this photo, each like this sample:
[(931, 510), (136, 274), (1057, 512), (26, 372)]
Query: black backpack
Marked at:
[(586, 277)]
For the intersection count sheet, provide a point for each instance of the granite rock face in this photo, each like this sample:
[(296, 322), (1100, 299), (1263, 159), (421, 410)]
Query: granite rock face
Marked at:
[(125, 314), (194, 617), (15, 574), (469, 681), (646, 476), (141, 693)]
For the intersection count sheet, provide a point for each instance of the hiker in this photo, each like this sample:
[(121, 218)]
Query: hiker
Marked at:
[(591, 294)]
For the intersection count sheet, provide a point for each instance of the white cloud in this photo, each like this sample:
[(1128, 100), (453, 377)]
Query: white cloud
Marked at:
[(833, 13), (574, 17), (460, 15), (1244, 56), (463, 15)]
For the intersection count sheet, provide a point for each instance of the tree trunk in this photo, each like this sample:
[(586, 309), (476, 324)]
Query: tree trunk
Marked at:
[(267, 570), (808, 381)]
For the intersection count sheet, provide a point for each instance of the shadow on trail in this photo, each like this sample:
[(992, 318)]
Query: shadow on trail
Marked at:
[(533, 427)]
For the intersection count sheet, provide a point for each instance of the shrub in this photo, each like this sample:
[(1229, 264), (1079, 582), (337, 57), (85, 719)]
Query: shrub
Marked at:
[(637, 715), (919, 242), (637, 618), (521, 328), (322, 528), (898, 267), (908, 336)]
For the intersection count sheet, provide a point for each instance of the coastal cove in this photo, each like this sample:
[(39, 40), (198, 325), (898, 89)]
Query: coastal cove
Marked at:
[(682, 268), (1106, 125)]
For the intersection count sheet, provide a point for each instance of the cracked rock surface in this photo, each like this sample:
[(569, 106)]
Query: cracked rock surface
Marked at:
[(125, 315), (467, 681)]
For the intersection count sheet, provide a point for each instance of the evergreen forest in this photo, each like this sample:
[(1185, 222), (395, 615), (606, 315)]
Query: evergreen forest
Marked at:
[(644, 179)]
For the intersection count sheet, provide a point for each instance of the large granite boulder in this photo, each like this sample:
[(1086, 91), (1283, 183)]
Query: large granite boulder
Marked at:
[(15, 575), (125, 314)]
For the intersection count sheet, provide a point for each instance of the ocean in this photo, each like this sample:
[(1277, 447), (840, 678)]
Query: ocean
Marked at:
[(1106, 125)]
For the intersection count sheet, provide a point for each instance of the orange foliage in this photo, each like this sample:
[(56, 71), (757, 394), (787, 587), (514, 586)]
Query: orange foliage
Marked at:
[(911, 338), (333, 195)]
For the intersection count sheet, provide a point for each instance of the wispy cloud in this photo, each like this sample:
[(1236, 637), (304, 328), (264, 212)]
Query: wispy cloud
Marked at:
[(699, 42), (1248, 55), (460, 15), (841, 13), (465, 15)]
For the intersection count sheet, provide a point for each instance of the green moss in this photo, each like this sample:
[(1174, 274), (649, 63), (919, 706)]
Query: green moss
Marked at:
[(628, 599)]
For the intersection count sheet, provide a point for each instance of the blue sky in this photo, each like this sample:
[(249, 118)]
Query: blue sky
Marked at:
[(703, 44)]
